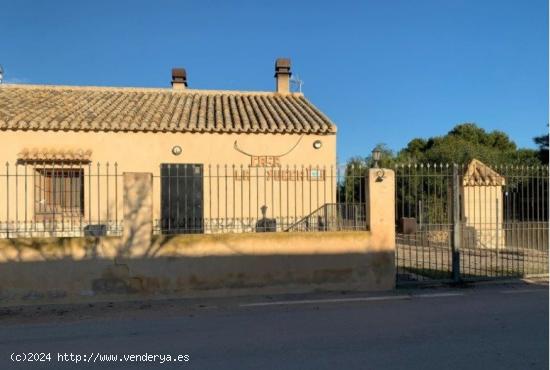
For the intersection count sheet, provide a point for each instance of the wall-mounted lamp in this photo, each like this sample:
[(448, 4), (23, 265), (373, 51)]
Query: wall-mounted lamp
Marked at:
[(177, 150), (317, 144), (376, 157)]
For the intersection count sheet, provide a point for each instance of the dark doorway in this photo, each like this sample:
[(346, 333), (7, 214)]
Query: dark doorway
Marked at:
[(181, 198)]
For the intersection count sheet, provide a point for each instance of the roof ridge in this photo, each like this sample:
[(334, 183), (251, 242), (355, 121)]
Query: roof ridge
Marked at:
[(146, 89)]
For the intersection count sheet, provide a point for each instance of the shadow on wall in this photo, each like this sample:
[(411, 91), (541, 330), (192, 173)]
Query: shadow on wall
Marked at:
[(168, 275), (174, 264), (138, 215), (140, 263)]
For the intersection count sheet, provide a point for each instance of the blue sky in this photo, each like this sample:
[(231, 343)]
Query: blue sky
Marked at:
[(383, 71)]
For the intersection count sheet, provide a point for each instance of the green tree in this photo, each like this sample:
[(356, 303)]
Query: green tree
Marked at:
[(352, 184), (423, 191), (465, 142), (542, 142)]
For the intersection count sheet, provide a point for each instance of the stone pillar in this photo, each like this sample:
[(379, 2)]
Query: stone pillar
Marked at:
[(138, 213), (381, 205)]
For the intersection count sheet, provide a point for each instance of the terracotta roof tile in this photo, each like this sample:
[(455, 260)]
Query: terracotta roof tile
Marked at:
[(73, 108), (30, 155)]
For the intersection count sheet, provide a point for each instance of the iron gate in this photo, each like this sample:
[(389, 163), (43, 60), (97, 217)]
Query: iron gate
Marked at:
[(470, 222), (181, 198)]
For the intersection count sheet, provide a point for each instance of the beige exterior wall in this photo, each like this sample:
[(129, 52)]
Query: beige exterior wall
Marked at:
[(483, 211), (144, 152), (70, 269)]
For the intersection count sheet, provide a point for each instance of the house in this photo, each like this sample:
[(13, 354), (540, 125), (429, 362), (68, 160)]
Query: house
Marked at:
[(215, 157)]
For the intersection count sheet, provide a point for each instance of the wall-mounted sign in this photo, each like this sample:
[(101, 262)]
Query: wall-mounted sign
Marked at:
[(303, 174), (265, 161)]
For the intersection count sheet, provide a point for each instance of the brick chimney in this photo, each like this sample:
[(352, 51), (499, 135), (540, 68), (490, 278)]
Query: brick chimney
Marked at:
[(179, 79), (282, 75)]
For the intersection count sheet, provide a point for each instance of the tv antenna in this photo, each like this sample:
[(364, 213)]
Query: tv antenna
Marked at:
[(297, 82)]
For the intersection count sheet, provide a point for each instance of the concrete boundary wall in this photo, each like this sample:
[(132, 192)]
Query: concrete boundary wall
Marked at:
[(73, 267), (50, 269)]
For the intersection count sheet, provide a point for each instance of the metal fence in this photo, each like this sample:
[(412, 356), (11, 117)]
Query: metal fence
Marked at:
[(47, 199), (334, 217), (230, 198), (460, 222), (71, 198)]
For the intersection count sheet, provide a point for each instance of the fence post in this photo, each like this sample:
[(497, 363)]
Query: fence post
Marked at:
[(138, 212), (457, 237), (380, 203)]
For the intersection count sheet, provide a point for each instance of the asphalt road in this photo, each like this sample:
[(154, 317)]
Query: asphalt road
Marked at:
[(492, 327)]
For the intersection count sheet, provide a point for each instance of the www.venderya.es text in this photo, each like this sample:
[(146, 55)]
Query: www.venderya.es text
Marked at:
[(98, 357)]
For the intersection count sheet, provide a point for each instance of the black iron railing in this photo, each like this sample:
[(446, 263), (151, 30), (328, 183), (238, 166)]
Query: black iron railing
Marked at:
[(46, 198), (471, 221), (334, 217), (198, 198), (69, 198)]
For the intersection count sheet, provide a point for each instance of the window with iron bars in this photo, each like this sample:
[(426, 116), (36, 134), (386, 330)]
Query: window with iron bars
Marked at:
[(58, 193)]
